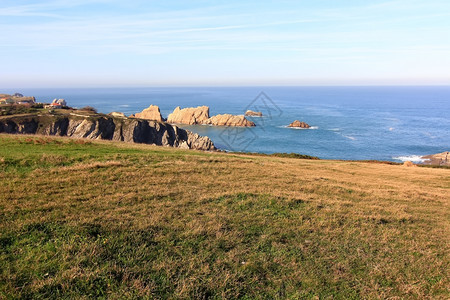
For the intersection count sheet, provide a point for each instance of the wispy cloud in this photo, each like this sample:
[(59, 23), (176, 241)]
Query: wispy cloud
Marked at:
[(42, 9), (259, 32)]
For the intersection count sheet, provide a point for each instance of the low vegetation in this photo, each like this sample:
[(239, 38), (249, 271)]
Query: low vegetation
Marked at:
[(7, 110), (103, 219), (287, 155)]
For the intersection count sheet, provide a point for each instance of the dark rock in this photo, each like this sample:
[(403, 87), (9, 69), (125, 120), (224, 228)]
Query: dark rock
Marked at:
[(106, 128)]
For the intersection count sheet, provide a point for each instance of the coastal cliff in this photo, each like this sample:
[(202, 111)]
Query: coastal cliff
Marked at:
[(105, 127)]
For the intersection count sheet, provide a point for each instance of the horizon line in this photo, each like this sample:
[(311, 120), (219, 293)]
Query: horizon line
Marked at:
[(227, 86)]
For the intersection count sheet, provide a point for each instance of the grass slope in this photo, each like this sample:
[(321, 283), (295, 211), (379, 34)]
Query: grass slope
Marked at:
[(103, 219)]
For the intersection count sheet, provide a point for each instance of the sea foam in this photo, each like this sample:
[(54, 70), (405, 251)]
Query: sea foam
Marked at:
[(300, 128), (349, 137), (412, 158)]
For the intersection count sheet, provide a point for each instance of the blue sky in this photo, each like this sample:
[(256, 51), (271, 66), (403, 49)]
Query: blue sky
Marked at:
[(81, 43)]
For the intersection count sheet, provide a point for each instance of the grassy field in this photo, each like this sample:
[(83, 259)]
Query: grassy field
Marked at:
[(116, 220)]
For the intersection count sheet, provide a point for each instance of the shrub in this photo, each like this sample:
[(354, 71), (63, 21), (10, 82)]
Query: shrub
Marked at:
[(89, 108)]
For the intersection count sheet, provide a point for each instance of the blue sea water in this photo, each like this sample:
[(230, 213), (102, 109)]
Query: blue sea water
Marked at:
[(383, 123)]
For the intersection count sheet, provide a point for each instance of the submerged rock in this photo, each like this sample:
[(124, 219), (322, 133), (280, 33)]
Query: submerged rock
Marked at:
[(106, 128), (299, 124), (229, 120), (150, 113), (252, 113)]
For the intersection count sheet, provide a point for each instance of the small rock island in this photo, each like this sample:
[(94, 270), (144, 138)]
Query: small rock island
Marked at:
[(189, 115), (298, 124), (229, 120), (251, 113)]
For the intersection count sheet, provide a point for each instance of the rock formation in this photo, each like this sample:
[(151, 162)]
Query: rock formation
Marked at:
[(117, 114), (229, 120), (299, 124), (200, 115), (150, 113), (440, 159), (252, 113), (189, 116), (61, 102), (409, 164), (107, 128)]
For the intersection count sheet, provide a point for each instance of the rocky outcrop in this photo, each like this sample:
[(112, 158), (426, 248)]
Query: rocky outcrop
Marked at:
[(251, 113), (61, 102), (200, 115), (298, 124), (106, 128), (229, 120), (151, 113), (189, 116), (439, 159), (117, 114)]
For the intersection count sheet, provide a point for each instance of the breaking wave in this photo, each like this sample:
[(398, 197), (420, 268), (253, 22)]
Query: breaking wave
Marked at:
[(299, 128), (349, 137), (412, 158)]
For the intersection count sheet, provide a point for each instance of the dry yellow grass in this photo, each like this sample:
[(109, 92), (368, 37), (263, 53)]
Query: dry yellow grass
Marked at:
[(114, 219)]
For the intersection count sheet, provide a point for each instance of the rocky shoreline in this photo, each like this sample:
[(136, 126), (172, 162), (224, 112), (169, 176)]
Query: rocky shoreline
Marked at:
[(193, 116), (439, 159), (147, 126)]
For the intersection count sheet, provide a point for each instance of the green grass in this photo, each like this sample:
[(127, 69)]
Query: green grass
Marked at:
[(94, 219)]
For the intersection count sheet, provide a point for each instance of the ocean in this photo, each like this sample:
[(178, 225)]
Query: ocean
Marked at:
[(351, 123)]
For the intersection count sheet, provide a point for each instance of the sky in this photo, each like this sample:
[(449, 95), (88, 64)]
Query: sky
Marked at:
[(116, 43)]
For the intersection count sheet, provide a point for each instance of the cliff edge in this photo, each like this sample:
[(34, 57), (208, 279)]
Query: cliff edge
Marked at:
[(105, 127)]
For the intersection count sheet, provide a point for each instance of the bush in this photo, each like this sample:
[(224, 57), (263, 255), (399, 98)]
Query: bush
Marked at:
[(38, 105), (7, 110), (89, 108)]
